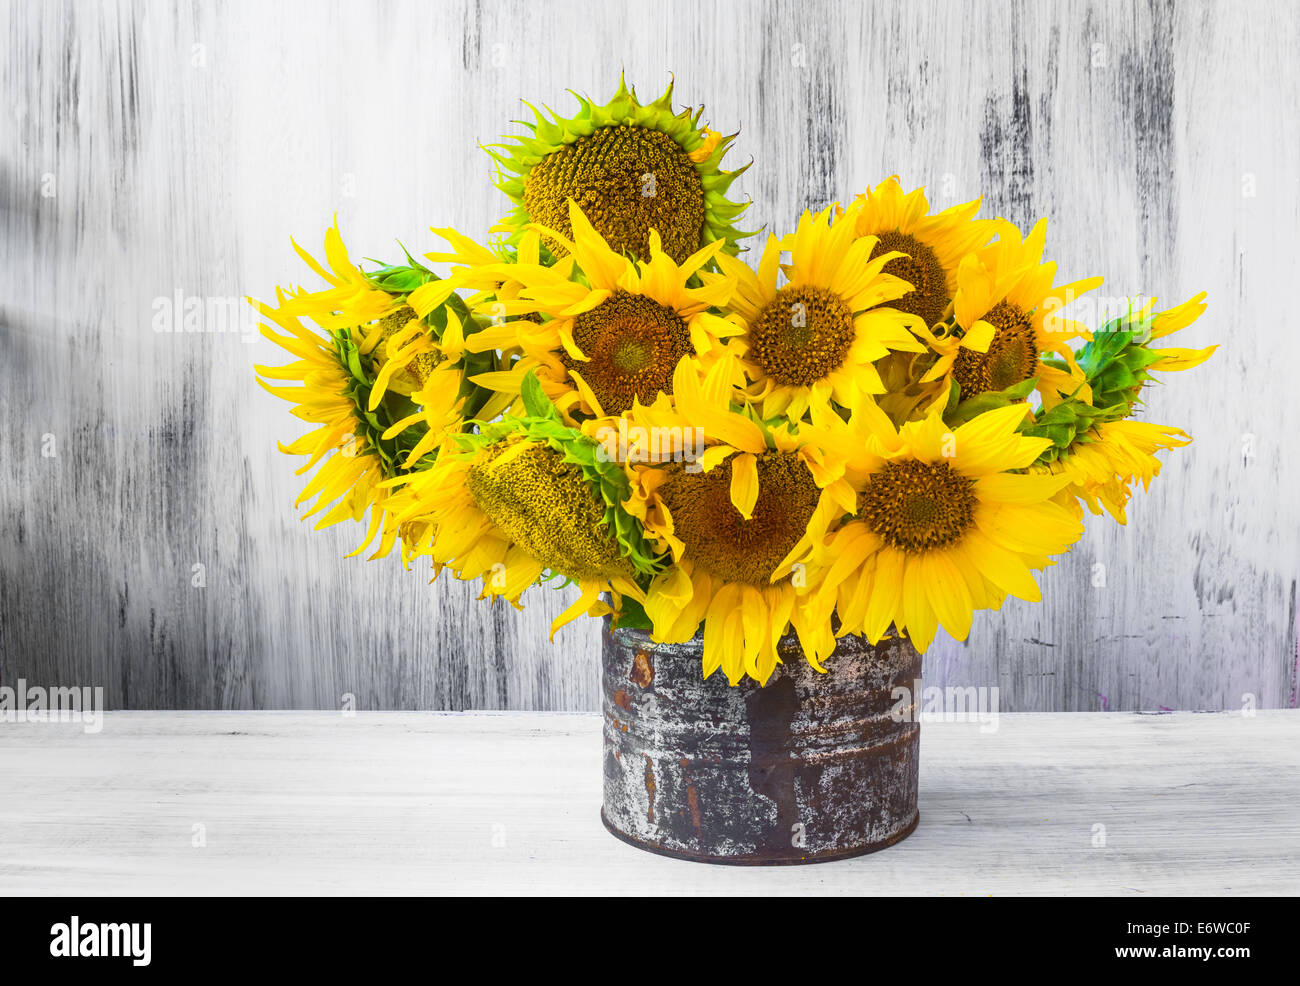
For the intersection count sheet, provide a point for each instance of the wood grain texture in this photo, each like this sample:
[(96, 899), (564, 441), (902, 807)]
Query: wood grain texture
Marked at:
[(153, 150), (411, 803)]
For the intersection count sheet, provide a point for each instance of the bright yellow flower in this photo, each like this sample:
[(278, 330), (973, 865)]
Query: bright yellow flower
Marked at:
[(516, 510), (814, 339), (730, 517), (1103, 464), (611, 330), (945, 524), (1006, 312), (351, 470), (371, 346), (932, 246)]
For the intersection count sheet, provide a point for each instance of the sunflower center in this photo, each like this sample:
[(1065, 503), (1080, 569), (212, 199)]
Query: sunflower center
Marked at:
[(802, 335), (1012, 357), (547, 507), (632, 355), (917, 506), (719, 540), (633, 344), (919, 268), (627, 180), (421, 364)]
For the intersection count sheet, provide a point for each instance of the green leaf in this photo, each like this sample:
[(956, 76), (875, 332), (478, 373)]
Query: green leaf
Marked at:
[(633, 616), (354, 363), (966, 410), (399, 279), (536, 403)]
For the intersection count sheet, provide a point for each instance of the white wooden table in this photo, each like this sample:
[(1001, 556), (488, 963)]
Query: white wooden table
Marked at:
[(410, 803)]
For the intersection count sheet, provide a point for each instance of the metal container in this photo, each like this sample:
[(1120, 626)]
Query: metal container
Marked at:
[(810, 767)]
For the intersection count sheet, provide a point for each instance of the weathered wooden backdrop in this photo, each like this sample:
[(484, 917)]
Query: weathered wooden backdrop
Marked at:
[(154, 154)]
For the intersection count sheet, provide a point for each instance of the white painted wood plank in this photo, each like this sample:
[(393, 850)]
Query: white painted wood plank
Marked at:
[(410, 803), (150, 149)]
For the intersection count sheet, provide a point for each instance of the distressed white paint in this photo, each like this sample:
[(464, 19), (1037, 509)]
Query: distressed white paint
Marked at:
[(411, 803), (147, 150)]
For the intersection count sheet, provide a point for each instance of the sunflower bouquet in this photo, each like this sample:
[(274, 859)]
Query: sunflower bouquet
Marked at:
[(882, 423)]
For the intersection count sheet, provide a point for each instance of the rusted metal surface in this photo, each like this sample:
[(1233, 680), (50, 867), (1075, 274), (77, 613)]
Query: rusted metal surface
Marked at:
[(811, 767)]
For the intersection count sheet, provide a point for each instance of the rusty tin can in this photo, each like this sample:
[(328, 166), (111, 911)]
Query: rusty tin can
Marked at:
[(810, 767)]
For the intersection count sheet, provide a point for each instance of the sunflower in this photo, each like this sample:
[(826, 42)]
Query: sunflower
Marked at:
[(931, 249), (1118, 360), (931, 246), (440, 407), (433, 330), (1006, 328), (610, 330), (382, 384), (631, 168), (352, 461), (815, 338), (945, 523), (730, 517), (402, 346), (527, 499), (1102, 466), (1100, 448)]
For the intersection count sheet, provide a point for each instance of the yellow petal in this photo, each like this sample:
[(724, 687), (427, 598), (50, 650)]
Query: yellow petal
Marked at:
[(744, 484), (1181, 359), (948, 593), (980, 336)]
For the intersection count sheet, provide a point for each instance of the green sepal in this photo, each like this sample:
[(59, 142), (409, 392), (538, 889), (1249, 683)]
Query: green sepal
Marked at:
[(960, 411), (550, 575), (1114, 363), (400, 280), (536, 403), (371, 425), (1068, 424), (1116, 359), (631, 617)]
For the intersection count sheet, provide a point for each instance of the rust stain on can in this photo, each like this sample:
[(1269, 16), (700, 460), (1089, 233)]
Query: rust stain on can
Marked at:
[(650, 787), (693, 799), (643, 669), (811, 767)]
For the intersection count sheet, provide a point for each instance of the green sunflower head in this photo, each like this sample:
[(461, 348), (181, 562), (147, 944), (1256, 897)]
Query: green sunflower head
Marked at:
[(631, 167)]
